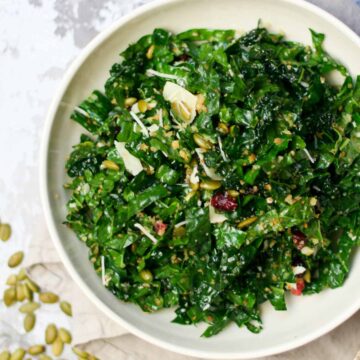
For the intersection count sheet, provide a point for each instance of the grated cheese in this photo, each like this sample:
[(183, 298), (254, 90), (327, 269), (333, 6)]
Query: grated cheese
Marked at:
[(146, 233), (181, 223), (143, 127), (309, 156), (81, 111), (221, 149), (152, 72)]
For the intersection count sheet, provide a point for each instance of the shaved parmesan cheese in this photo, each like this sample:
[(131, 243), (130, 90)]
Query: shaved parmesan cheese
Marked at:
[(81, 111), (183, 101), (140, 123), (146, 233), (132, 164), (135, 108), (210, 172), (152, 72), (216, 218), (181, 223)]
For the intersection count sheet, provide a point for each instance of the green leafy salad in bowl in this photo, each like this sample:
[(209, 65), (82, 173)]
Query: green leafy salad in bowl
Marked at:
[(218, 172)]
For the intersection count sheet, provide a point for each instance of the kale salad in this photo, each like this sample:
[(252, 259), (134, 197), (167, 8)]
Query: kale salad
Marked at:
[(218, 172)]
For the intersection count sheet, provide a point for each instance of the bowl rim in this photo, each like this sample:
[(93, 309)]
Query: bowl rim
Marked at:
[(45, 199)]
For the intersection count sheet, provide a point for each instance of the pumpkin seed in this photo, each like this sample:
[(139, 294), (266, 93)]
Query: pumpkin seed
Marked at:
[(28, 293), (210, 184), (146, 275), (66, 308), (57, 347), (108, 164), (150, 51), (29, 307), (65, 336), (247, 222), (233, 193), (179, 232), (202, 142), (18, 354), (185, 154), (9, 296), (44, 357), (5, 355), (50, 334), (5, 232), (307, 276), (130, 101), (36, 349), (32, 285), (22, 275), (29, 322), (142, 105), (189, 195), (11, 280), (48, 298), (82, 354), (200, 103), (16, 259), (222, 128), (20, 292)]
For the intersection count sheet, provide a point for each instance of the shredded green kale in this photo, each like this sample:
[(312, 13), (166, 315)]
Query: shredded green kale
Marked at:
[(218, 173)]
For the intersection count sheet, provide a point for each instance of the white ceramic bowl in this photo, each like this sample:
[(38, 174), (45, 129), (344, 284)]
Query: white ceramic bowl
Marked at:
[(307, 317)]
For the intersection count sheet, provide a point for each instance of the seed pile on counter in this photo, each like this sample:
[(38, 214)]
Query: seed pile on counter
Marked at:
[(22, 290)]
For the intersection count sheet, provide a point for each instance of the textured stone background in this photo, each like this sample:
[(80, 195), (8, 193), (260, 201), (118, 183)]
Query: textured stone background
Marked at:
[(38, 40)]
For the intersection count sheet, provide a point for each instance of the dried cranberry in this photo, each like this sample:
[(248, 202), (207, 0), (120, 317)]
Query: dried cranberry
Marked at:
[(224, 202), (160, 227), (300, 286), (299, 239)]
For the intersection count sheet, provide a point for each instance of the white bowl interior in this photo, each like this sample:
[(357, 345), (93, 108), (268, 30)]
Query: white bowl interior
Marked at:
[(307, 317)]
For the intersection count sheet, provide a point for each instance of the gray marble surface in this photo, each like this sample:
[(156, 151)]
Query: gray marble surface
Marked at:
[(38, 41)]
